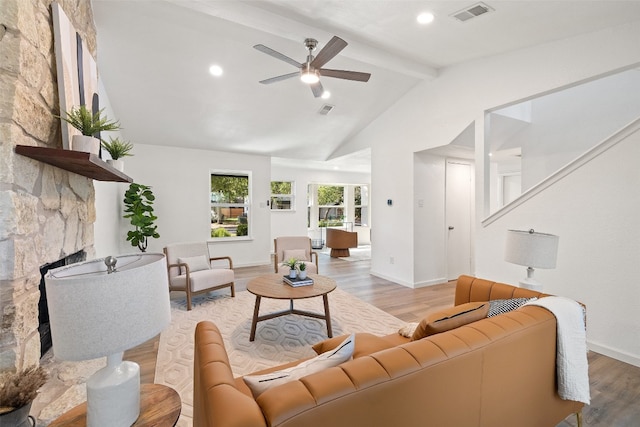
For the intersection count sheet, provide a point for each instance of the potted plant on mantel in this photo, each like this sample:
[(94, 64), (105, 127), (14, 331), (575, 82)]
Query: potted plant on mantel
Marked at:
[(88, 124), (138, 201), (117, 149), (18, 389)]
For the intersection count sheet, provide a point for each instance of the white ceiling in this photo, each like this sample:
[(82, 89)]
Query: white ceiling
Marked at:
[(154, 56)]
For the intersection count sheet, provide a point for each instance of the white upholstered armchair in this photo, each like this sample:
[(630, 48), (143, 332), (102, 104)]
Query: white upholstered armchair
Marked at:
[(298, 247), (193, 271)]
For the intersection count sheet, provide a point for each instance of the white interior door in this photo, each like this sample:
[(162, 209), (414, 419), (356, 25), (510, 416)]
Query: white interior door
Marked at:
[(458, 218)]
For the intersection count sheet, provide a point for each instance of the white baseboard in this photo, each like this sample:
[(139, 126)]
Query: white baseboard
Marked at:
[(616, 354), (391, 279), (432, 282), (252, 264), (408, 284)]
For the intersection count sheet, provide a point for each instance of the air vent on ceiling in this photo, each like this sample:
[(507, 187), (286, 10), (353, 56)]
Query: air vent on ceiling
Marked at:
[(471, 12), (326, 109)]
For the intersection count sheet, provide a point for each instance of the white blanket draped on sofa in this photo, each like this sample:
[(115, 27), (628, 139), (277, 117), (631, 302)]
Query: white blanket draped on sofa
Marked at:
[(571, 359)]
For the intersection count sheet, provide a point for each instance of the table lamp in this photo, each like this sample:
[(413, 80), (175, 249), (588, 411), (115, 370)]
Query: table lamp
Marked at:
[(102, 308), (533, 250)]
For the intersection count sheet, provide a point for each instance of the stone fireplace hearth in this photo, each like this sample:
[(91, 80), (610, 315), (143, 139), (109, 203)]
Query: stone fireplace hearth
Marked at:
[(46, 213)]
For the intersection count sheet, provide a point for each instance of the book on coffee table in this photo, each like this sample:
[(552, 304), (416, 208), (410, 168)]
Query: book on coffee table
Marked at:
[(297, 281)]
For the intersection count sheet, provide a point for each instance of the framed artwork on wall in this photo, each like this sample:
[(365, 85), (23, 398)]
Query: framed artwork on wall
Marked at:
[(77, 71)]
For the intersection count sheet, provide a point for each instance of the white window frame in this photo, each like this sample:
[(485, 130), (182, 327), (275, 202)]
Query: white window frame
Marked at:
[(246, 204), (291, 196)]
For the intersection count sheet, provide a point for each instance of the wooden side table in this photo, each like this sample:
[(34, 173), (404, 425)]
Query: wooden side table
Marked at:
[(160, 406)]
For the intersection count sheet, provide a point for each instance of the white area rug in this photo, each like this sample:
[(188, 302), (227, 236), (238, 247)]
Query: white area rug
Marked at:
[(361, 253), (277, 340)]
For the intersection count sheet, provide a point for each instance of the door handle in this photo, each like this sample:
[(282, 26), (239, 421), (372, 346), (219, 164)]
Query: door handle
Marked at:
[(450, 227)]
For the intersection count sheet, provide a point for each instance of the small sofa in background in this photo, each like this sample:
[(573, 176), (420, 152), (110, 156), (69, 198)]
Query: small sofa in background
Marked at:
[(340, 241), (493, 372)]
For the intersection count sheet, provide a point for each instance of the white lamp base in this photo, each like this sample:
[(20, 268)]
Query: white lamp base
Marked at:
[(113, 394), (530, 283)]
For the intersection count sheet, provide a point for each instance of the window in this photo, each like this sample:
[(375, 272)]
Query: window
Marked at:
[(361, 205), (338, 205), (230, 204), (282, 195), (331, 204)]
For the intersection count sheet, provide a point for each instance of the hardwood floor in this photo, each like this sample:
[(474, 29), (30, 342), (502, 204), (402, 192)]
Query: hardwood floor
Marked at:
[(615, 386)]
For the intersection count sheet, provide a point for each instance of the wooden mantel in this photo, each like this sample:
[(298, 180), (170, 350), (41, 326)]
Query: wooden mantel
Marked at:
[(85, 164)]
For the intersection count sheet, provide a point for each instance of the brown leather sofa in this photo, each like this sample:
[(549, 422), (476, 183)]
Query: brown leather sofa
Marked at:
[(498, 371)]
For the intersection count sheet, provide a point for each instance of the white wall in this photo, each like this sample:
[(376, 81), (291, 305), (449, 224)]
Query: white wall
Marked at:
[(436, 112), (180, 180), (429, 213), (294, 223), (108, 235), (566, 124), (595, 211)]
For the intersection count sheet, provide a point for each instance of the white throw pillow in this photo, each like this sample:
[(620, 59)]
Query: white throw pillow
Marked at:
[(261, 383), (408, 329), (195, 263), (299, 254)]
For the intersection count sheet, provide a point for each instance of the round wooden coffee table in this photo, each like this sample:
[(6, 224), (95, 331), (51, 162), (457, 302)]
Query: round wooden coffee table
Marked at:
[(272, 286)]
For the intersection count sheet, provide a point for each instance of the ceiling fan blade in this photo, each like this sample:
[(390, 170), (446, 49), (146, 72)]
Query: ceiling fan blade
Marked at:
[(279, 78), (317, 89), (262, 48), (331, 49), (342, 74)]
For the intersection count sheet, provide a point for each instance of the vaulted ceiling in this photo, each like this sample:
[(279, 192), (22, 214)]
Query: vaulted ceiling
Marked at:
[(154, 58)]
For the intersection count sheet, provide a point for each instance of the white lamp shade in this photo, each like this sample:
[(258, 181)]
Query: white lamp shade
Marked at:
[(531, 249), (94, 314)]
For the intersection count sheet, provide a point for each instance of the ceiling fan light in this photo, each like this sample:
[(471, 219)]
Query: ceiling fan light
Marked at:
[(309, 77)]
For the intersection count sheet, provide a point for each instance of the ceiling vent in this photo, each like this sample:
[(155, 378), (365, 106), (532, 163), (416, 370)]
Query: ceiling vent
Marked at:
[(471, 12), (326, 109)]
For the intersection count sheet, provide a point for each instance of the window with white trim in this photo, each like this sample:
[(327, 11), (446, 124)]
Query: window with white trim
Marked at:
[(282, 195), (230, 204)]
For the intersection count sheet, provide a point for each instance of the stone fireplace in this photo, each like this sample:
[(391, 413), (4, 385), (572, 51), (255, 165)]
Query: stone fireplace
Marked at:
[(44, 327), (46, 213)]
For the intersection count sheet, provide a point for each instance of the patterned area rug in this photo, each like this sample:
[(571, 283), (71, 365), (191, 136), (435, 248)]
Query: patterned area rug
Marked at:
[(277, 340)]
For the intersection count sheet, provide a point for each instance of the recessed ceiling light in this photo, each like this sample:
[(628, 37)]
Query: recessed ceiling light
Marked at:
[(425, 18), (326, 94), (215, 70)]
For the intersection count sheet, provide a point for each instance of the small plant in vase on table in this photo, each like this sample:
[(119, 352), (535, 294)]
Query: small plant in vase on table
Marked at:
[(302, 270), (88, 124), (117, 149), (292, 263)]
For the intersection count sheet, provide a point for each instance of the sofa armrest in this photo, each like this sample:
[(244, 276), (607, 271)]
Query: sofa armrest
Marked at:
[(472, 289), (214, 388)]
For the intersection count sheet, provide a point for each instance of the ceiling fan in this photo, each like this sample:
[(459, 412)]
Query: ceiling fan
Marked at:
[(311, 69)]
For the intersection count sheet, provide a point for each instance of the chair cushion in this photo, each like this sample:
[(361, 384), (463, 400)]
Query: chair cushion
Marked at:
[(299, 254), (195, 263), (261, 383), (204, 279), (451, 318)]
